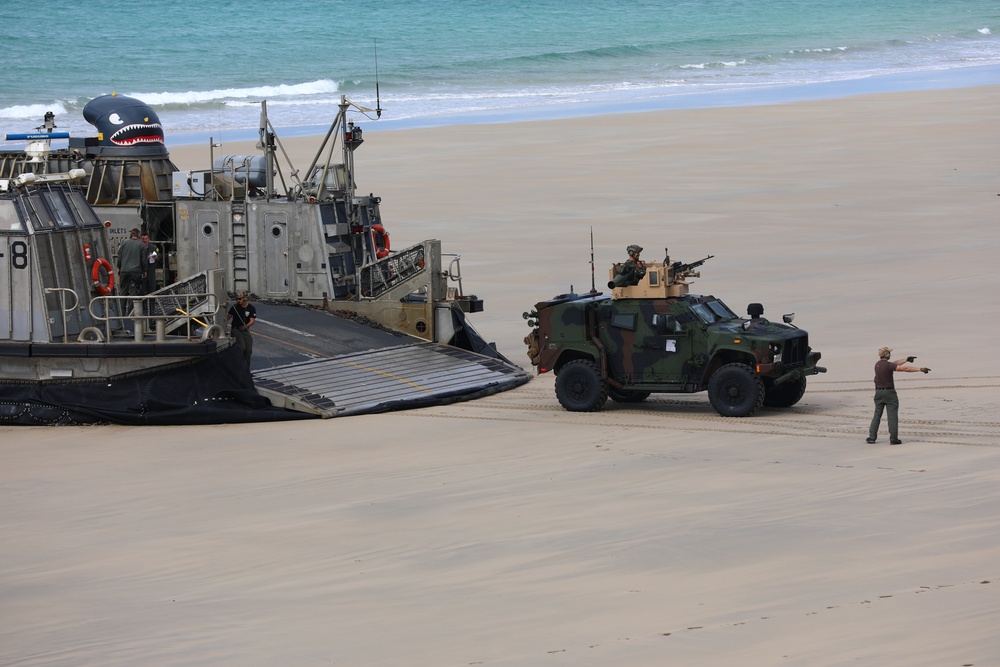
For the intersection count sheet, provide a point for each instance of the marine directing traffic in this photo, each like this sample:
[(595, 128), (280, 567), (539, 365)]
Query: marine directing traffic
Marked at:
[(885, 393)]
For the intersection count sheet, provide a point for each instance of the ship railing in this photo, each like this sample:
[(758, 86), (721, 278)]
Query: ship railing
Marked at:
[(64, 310), (454, 274), (382, 275), (156, 314)]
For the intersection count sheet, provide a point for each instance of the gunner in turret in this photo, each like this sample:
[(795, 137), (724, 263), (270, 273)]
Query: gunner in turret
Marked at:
[(632, 269)]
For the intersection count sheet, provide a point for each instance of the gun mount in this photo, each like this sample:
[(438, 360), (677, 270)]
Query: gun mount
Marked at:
[(662, 280)]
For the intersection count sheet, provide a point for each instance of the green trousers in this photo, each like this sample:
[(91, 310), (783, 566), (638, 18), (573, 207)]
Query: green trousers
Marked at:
[(245, 340), (885, 398)]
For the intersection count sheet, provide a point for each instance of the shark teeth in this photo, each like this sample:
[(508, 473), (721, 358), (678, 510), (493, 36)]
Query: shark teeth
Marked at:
[(153, 134), (138, 140)]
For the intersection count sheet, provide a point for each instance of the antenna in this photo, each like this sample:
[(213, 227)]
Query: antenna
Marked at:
[(378, 101), (593, 287)]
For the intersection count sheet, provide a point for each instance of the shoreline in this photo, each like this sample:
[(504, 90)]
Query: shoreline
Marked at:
[(962, 77)]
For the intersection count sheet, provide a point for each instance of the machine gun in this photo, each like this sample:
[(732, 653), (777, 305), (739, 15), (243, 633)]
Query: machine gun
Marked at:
[(680, 270)]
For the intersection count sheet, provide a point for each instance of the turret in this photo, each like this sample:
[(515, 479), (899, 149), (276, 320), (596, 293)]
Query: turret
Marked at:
[(662, 279)]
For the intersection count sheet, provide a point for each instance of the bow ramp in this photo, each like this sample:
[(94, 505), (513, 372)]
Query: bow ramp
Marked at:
[(316, 362)]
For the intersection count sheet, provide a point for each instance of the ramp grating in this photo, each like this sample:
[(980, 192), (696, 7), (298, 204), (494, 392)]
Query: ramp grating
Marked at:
[(391, 378)]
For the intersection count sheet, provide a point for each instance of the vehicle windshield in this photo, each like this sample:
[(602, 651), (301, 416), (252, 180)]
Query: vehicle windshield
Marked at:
[(713, 310)]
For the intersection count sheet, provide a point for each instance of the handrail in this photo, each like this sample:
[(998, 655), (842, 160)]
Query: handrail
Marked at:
[(63, 291), (455, 274), (380, 276), (118, 303)]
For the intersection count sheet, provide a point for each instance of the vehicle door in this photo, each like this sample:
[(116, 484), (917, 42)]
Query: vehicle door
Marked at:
[(645, 344)]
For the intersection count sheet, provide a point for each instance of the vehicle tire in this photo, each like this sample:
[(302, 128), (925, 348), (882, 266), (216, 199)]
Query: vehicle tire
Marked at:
[(735, 391), (580, 388), (627, 395), (784, 395)]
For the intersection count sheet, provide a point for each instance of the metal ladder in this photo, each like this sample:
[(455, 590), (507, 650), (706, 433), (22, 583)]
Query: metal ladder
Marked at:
[(241, 261)]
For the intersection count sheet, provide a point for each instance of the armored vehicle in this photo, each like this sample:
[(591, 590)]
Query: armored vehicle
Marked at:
[(657, 337)]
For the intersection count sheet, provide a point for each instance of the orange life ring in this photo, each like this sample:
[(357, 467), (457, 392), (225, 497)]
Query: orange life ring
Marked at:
[(95, 273), (380, 235)]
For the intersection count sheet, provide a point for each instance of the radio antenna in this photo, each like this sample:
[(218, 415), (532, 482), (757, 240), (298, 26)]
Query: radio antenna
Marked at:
[(378, 101), (593, 287)]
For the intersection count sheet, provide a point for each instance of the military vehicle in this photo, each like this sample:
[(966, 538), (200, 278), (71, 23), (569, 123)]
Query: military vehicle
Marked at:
[(657, 337)]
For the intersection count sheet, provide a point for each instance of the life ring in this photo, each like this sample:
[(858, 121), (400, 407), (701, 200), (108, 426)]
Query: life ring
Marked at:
[(380, 239), (95, 273)]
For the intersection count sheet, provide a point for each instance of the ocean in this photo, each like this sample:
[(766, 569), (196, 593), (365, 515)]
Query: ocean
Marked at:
[(205, 67)]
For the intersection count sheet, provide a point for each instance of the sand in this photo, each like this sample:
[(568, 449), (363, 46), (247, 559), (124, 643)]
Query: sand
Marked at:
[(506, 531)]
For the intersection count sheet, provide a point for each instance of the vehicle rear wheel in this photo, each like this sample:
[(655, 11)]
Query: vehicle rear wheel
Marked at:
[(784, 395), (735, 391), (627, 395), (580, 388)]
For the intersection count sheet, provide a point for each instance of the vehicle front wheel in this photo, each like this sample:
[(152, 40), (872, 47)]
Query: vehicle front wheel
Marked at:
[(735, 391), (784, 395), (580, 388)]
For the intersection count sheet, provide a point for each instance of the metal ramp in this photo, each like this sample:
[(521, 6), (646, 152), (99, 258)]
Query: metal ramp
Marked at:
[(392, 378)]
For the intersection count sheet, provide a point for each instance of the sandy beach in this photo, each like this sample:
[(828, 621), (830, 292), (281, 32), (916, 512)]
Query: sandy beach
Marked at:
[(508, 532)]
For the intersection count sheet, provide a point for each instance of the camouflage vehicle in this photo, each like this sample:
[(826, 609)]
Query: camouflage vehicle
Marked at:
[(656, 337)]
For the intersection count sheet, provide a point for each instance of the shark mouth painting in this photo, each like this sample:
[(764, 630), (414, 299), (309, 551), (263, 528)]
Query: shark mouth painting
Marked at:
[(123, 121), (138, 133)]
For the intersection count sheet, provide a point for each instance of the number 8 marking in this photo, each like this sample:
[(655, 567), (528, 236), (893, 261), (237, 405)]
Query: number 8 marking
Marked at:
[(19, 255)]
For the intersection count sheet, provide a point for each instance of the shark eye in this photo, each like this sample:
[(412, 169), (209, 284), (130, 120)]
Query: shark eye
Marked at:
[(116, 119)]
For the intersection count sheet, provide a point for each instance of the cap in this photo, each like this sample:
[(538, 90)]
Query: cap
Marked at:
[(134, 230), (242, 294), (884, 351), (633, 248)]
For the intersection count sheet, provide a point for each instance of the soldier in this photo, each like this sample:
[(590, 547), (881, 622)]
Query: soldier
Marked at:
[(632, 269), (885, 393), (151, 255), (132, 260), (243, 314)]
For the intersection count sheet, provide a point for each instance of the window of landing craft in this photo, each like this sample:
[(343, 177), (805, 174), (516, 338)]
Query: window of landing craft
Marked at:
[(9, 222), (60, 213)]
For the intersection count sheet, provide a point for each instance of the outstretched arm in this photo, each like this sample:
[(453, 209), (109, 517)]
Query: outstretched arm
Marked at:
[(900, 366)]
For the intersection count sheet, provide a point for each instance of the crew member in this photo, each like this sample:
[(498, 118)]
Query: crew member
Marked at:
[(631, 270), (243, 314), (885, 393), (151, 254), (132, 262)]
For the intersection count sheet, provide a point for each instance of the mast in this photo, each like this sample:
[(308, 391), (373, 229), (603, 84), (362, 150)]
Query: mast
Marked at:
[(593, 287), (265, 144)]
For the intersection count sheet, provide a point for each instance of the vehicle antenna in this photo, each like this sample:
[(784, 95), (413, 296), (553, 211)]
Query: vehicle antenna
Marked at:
[(593, 287), (378, 103)]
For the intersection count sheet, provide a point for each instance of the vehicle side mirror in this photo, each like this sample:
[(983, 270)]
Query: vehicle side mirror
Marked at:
[(787, 319)]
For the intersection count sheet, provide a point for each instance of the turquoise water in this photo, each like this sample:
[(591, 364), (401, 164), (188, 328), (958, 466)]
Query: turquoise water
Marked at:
[(205, 67)]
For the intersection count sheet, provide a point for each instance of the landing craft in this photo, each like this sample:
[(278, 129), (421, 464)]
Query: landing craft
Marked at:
[(304, 244)]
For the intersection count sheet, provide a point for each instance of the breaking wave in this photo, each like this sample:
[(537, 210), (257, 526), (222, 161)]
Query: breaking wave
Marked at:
[(207, 97)]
